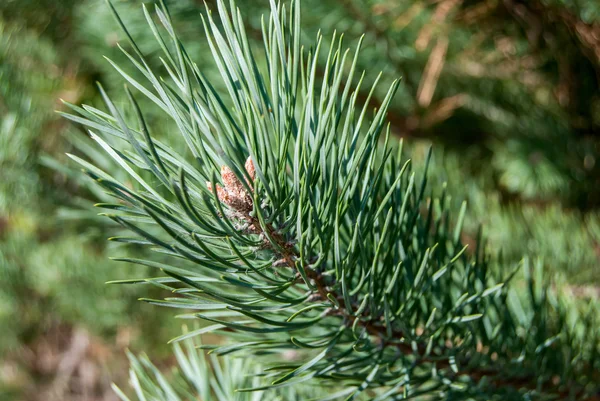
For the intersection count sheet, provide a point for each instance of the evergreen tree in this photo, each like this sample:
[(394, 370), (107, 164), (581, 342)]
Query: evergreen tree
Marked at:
[(293, 225)]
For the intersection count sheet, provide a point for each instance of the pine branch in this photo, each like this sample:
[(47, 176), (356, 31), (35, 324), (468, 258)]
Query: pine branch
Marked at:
[(385, 338), (493, 376), (293, 223)]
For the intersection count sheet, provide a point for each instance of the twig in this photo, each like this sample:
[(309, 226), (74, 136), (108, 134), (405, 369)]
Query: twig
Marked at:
[(71, 359), (432, 72)]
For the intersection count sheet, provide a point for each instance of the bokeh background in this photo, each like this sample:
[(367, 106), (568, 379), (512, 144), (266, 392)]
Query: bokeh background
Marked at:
[(507, 91)]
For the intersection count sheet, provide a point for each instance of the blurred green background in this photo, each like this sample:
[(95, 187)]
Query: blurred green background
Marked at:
[(507, 91)]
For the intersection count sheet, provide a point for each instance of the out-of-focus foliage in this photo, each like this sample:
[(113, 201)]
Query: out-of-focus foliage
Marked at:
[(52, 18), (566, 239), (52, 267)]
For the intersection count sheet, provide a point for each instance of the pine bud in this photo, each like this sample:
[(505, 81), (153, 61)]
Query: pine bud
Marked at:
[(233, 193)]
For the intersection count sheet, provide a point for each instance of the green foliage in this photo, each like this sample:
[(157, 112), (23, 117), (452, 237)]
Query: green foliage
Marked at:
[(564, 239), (199, 377), (508, 85), (514, 117), (498, 104), (496, 112), (50, 17), (26, 91), (52, 267), (292, 222)]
